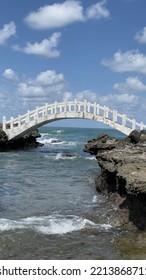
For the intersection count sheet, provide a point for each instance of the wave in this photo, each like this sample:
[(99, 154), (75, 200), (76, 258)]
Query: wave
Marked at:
[(60, 131), (51, 141), (66, 156), (56, 141), (95, 199), (90, 158), (52, 224)]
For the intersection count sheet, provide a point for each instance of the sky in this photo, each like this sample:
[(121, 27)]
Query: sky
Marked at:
[(65, 50)]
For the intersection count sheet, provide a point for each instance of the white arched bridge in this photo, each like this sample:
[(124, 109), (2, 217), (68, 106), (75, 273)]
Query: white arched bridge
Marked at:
[(18, 127)]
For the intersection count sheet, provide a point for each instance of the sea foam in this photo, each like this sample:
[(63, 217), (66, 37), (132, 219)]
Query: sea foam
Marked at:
[(52, 224)]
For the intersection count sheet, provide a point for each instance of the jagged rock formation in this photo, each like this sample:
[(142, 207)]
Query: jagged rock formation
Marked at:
[(123, 173), (26, 142)]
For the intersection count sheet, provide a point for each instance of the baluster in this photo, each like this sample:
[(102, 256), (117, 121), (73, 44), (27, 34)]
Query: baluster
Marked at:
[(85, 106), (46, 109), (75, 105), (4, 123), (55, 107), (95, 108), (115, 115), (133, 124), (124, 120), (28, 116), (141, 126), (88, 107), (11, 122), (19, 121)]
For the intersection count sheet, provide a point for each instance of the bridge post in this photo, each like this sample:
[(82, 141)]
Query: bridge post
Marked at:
[(88, 107), (115, 115), (19, 121), (55, 107), (124, 120), (105, 112), (133, 124), (36, 113), (4, 123), (85, 106), (141, 126), (94, 110), (65, 106), (11, 122), (97, 109), (28, 116), (46, 109), (75, 105)]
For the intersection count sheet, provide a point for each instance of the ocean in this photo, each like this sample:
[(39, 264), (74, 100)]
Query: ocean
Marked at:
[(49, 206)]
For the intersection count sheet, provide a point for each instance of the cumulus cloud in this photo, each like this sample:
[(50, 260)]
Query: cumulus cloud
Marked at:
[(118, 99), (86, 95), (10, 74), (124, 103), (98, 11), (49, 77), (141, 36), (46, 47), (130, 61), (56, 15), (61, 14), (46, 87), (6, 32), (132, 84)]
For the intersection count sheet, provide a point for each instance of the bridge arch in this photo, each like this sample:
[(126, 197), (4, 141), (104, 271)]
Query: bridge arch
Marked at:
[(20, 126)]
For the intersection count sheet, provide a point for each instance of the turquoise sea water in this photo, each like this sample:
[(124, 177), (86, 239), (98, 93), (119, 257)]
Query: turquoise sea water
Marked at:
[(49, 207)]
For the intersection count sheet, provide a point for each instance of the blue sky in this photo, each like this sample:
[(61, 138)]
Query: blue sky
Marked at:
[(66, 50)]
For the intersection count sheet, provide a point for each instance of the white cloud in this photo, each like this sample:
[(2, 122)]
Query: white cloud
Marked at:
[(98, 11), (6, 32), (130, 61), (118, 99), (48, 78), (10, 74), (46, 87), (45, 48), (86, 95), (67, 96), (125, 103), (141, 36), (56, 15), (132, 84), (61, 14)]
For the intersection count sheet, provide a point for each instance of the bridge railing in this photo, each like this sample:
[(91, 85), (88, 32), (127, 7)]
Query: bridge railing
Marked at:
[(63, 108)]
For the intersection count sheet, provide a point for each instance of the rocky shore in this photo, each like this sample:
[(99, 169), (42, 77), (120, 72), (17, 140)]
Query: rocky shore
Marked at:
[(123, 175), (26, 142)]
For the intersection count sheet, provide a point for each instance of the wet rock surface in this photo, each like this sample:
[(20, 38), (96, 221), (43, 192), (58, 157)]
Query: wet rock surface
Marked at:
[(26, 142), (123, 174)]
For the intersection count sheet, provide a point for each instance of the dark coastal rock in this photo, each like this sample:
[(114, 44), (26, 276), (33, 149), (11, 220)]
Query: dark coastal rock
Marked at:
[(123, 173), (26, 142), (70, 155), (3, 137)]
